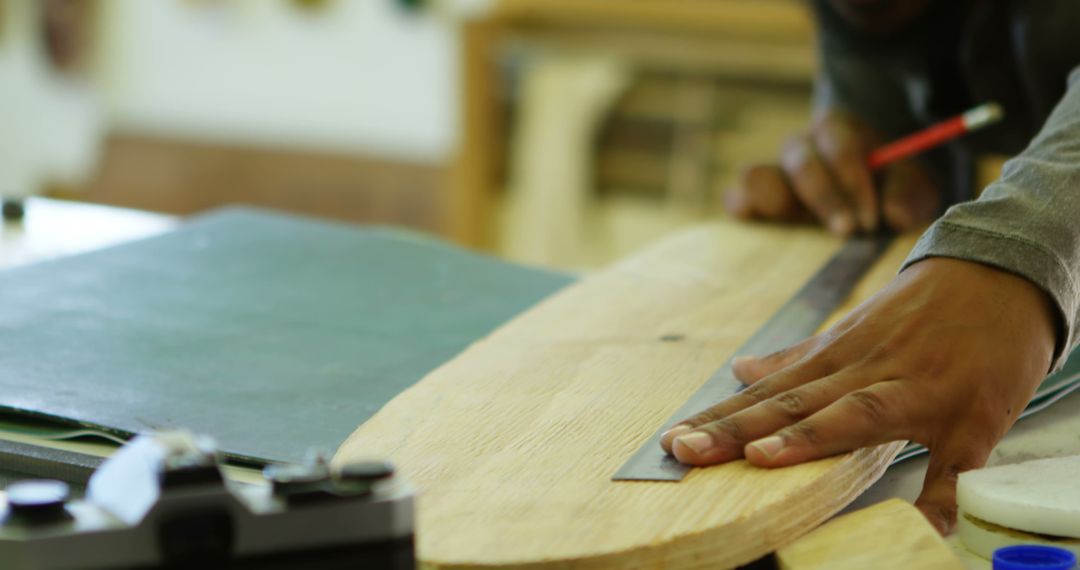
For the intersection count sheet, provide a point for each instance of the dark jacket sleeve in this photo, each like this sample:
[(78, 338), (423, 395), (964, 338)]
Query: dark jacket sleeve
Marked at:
[(897, 86), (858, 78)]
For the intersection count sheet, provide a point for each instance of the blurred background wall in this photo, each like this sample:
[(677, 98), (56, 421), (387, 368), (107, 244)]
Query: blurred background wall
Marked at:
[(336, 108), (364, 77), (556, 132)]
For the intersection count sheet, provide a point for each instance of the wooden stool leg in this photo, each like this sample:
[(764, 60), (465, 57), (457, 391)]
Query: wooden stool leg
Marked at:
[(564, 101)]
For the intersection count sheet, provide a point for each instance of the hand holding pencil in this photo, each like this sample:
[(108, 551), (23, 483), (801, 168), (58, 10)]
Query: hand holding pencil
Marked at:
[(841, 174)]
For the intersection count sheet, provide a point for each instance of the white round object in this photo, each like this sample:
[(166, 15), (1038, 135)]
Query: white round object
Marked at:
[(1041, 496), (983, 538)]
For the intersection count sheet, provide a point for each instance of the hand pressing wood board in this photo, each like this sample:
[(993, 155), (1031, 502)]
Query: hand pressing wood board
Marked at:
[(513, 442), (892, 534)]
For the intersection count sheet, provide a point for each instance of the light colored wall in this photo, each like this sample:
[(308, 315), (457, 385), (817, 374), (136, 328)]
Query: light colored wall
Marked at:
[(50, 124), (358, 76)]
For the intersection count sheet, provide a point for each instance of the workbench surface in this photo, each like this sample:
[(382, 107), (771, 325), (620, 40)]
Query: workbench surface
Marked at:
[(55, 228)]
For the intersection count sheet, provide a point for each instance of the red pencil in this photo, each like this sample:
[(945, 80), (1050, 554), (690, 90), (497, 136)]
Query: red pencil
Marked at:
[(934, 135)]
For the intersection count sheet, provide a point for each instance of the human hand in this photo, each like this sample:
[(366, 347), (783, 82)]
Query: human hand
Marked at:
[(823, 175), (947, 355)]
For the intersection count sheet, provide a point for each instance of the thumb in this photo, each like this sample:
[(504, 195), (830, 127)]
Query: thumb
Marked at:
[(910, 196), (938, 499), (750, 369)]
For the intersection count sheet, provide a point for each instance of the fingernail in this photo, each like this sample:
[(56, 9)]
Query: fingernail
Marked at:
[(769, 446), (676, 431), (840, 224), (698, 442), (740, 360)]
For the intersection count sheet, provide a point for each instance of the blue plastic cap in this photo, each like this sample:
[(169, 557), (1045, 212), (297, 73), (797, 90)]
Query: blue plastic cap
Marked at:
[(1032, 557)]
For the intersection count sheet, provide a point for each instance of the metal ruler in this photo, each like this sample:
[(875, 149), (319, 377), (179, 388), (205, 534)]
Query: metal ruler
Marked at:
[(26, 461), (798, 319)]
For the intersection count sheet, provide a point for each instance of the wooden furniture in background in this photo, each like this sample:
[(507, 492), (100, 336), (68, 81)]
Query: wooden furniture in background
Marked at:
[(177, 177), (759, 40), (513, 443), (549, 206)]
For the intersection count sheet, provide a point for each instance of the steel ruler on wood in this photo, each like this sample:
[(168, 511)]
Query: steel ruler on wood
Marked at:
[(798, 319), (25, 461)]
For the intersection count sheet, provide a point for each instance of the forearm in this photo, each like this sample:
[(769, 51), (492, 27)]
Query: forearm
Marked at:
[(1028, 221)]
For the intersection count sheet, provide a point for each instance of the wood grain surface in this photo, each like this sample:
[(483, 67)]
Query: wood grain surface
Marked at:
[(891, 534), (513, 443)]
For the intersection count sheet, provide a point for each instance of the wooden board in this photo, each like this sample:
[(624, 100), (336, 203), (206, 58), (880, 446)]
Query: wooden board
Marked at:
[(892, 534), (513, 442)]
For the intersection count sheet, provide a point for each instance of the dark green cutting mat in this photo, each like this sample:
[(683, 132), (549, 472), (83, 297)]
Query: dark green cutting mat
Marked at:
[(272, 333)]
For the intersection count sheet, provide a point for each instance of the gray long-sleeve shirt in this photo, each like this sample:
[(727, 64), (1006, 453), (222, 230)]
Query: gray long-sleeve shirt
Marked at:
[(959, 54), (1028, 221)]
